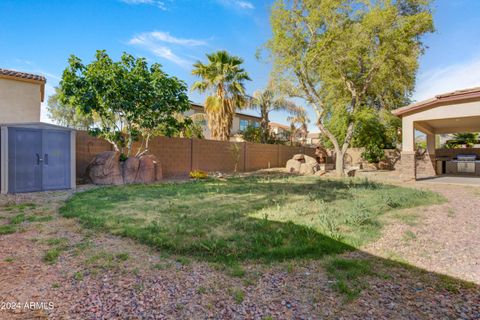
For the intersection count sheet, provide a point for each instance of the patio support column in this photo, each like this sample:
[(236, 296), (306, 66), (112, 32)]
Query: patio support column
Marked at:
[(428, 162), (407, 165)]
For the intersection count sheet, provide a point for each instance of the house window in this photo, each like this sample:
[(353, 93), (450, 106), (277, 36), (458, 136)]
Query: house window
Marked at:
[(255, 124), (243, 124)]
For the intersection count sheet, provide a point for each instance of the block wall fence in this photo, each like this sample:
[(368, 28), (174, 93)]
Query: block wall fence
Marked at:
[(179, 156)]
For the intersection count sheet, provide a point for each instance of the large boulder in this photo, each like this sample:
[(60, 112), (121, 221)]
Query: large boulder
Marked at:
[(105, 169), (309, 168), (298, 157), (293, 166), (146, 170), (310, 160), (130, 170)]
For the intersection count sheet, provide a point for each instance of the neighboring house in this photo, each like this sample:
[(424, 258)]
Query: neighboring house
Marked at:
[(313, 138), (240, 122), (21, 95), (280, 131)]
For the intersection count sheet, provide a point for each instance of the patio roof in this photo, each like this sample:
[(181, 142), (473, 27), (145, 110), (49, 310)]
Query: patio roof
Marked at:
[(454, 97)]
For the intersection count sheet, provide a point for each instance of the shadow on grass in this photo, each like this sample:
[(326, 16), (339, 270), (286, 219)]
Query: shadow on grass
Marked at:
[(257, 218)]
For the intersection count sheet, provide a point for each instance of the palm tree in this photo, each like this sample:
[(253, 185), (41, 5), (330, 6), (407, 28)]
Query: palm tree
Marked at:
[(467, 138), (224, 77), (269, 100), (298, 124)]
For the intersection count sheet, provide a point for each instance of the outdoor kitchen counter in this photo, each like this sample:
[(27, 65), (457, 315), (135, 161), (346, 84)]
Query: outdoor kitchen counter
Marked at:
[(452, 168)]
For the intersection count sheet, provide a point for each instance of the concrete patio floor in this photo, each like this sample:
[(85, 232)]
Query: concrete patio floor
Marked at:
[(447, 179)]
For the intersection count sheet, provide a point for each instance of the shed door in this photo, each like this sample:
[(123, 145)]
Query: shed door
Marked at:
[(24, 160), (56, 160)]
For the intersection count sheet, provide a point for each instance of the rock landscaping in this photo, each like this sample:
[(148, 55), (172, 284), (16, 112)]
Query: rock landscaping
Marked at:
[(107, 169), (303, 164)]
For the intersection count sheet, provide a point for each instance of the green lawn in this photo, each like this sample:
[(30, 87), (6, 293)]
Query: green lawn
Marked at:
[(261, 218)]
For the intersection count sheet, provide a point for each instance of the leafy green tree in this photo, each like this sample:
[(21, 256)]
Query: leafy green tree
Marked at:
[(374, 131), (130, 99), (67, 115), (343, 55), (269, 100), (371, 134), (224, 78)]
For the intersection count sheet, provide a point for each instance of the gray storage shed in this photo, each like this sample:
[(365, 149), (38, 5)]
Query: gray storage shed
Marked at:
[(36, 157)]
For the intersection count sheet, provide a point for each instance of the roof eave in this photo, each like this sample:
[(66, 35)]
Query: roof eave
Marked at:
[(461, 97)]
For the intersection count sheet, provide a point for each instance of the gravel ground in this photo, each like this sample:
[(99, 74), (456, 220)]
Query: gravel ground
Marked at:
[(99, 276), (443, 238)]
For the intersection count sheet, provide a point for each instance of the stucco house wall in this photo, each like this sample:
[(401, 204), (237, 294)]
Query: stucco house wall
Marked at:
[(20, 99), (235, 125)]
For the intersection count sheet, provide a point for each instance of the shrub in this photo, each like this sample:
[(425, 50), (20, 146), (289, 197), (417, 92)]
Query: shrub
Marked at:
[(51, 255), (198, 174), (252, 134), (373, 153), (7, 230)]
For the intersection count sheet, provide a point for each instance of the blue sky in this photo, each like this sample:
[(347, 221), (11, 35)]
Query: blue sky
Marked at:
[(39, 35)]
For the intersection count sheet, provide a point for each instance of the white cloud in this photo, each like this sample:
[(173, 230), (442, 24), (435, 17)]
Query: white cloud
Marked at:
[(244, 4), (162, 44), (168, 54), (448, 78), (156, 3), (239, 4), (165, 37)]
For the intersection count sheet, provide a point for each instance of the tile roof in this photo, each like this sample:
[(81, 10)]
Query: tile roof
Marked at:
[(22, 75), (458, 96)]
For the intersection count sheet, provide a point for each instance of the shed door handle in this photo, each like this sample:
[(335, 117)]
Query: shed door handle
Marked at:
[(39, 159)]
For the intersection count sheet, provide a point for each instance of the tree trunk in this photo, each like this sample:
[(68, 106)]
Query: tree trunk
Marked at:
[(264, 126), (339, 151), (339, 163)]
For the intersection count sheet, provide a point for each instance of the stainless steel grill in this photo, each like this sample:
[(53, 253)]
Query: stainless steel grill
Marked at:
[(466, 163)]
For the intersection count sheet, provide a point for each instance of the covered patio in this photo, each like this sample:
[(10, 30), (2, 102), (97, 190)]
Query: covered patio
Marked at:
[(454, 112)]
